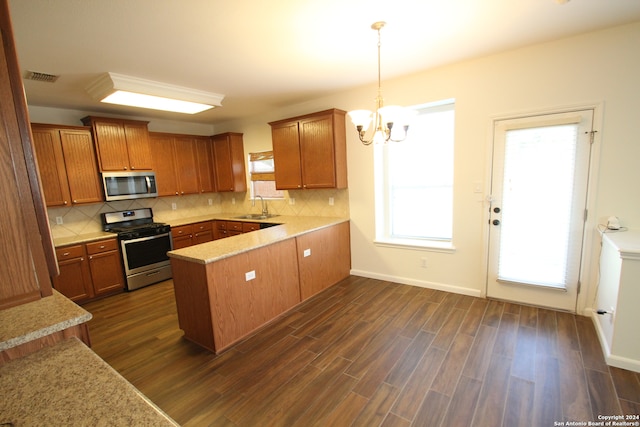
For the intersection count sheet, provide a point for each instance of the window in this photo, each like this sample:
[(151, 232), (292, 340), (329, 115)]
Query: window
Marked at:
[(262, 173), (414, 182)]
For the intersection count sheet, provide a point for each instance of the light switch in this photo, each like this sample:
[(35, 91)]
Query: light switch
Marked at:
[(306, 253), (250, 275)]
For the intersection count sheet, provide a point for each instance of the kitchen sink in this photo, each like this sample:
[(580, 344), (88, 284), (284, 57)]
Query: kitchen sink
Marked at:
[(255, 216)]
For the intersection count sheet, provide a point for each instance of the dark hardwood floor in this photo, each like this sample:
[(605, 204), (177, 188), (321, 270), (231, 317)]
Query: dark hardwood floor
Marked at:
[(367, 353)]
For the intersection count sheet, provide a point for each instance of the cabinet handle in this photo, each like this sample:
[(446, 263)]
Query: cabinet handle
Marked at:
[(101, 246), (65, 254)]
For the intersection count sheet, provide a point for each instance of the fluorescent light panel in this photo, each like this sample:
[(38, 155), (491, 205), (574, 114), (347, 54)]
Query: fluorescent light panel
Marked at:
[(132, 91)]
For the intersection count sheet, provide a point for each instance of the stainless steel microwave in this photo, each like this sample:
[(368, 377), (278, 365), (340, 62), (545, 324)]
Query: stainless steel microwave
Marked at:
[(129, 185)]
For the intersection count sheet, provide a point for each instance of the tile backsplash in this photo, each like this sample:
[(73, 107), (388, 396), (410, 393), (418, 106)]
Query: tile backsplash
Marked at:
[(85, 219)]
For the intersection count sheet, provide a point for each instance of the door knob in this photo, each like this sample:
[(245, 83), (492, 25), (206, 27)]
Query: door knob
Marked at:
[(496, 209), (496, 222)]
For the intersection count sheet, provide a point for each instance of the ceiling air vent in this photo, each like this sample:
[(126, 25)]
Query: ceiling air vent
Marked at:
[(41, 77)]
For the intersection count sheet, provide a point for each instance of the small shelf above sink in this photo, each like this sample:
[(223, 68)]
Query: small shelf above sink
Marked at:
[(255, 216)]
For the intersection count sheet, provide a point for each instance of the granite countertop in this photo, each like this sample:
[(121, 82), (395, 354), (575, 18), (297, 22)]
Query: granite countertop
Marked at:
[(290, 227), (68, 384), (37, 319), (83, 238)]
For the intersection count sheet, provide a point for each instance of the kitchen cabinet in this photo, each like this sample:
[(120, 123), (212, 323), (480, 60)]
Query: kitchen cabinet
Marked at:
[(121, 144), (229, 162), (220, 303), (182, 164), (67, 164), (324, 258), (310, 151), (224, 229), (28, 256), (90, 270), (192, 234)]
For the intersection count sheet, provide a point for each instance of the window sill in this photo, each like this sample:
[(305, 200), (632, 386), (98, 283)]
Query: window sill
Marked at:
[(427, 245)]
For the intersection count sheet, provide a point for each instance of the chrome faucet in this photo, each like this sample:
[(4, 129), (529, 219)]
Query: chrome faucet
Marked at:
[(265, 209)]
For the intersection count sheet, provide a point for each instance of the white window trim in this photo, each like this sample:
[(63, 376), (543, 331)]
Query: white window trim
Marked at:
[(383, 238)]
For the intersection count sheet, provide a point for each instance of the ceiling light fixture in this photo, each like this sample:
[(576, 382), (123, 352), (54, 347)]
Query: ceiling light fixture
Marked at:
[(384, 118), (119, 89)]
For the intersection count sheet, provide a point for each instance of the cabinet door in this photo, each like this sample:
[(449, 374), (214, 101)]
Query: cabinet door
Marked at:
[(205, 165), (228, 155), (186, 164), (181, 236), (138, 146), (74, 280), (51, 166), (81, 166), (106, 272), (164, 164), (286, 156), (112, 145), (317, 152)]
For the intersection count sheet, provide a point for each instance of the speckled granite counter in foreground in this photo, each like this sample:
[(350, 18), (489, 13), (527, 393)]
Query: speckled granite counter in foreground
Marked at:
[(289, 227), (69, 385), (37, 319)]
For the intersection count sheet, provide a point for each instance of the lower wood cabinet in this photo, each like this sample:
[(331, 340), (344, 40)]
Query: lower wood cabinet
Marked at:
[(324, 258), (222, 302), (192, 234), (90, 270)]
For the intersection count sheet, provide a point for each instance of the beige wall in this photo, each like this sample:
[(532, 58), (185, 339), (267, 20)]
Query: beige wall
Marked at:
[(600, 68)]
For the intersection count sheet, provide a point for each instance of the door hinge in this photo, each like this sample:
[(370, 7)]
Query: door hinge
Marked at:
[(592, 135), (579, 286)]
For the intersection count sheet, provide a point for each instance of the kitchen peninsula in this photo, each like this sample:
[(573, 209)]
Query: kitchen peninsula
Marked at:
[(229, 288)]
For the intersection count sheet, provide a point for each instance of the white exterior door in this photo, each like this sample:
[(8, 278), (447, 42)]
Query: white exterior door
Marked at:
[(538, 208)]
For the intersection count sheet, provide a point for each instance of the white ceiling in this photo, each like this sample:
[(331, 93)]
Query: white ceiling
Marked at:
[(265, 54)]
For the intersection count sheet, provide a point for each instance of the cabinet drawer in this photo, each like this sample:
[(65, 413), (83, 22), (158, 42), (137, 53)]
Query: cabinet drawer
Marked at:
[(183, 230), (234, 226), (102, 246), (199, 227), (221, 225), (69, 252), (250, 226)]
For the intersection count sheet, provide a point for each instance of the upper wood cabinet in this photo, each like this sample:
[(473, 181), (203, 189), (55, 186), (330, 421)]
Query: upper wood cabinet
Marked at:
[(28, 257), (67, 164), (310, 151), (182, 163), (121, 144), (229, 169)]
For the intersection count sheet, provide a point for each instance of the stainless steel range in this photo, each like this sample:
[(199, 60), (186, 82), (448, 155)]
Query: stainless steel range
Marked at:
[(144, 245)]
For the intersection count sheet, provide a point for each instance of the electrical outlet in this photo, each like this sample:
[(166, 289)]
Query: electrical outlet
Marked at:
[(330, 201), (233, 200), (210, 201), (174, 206), (250, 275), (292, 201), (59, 220), (423, 262), (306, 253)]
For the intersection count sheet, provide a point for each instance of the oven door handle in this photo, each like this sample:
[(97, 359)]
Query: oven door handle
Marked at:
[(148, 184), (142, 239)]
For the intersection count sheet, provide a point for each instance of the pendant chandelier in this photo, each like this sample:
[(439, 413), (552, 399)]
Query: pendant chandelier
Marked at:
[(384, 118)]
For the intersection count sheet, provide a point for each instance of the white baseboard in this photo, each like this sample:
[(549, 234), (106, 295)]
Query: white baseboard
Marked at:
[(612, 359), (420, 283)]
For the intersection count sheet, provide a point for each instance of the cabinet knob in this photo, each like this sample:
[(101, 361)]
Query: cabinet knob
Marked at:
[(75, 201), (124, 168), (132, 168), (176, 193), (65, 254), (91, 257), (65, 202), (101, 246)]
